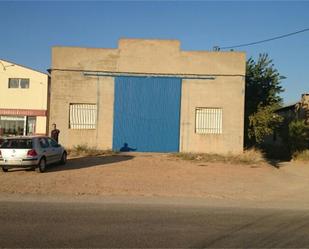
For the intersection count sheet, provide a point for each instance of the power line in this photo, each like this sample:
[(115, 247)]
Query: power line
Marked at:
[(266, 40)]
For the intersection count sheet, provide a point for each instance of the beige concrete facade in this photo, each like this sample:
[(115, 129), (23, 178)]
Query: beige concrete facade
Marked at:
[(21, 102), (222, 92), (72, 87), (224, 89)]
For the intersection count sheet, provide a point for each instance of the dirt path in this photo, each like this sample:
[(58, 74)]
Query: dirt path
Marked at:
[(162, 175)]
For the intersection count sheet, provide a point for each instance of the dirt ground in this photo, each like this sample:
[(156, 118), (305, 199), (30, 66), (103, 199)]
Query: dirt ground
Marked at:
[(162, 175)]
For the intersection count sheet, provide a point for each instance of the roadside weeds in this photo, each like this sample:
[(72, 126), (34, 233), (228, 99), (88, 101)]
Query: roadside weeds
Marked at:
[(84, 150), (251, 156), (301, 156)]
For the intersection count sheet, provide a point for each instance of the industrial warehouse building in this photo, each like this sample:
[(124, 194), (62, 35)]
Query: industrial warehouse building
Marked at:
[(148, 95)]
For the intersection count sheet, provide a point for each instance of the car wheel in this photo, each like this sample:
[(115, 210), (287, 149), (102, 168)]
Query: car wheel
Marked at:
[(4, 169), (64, 158), (41, 166)]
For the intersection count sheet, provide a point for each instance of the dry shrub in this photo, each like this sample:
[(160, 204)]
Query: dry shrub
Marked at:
[(251, 156), (301, 156), (85, 150)]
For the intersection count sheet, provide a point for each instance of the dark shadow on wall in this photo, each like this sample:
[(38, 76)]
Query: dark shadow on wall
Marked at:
[(126, 148), (86, 162)]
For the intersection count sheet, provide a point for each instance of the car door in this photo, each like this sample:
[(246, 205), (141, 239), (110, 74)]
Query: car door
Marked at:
[(46, 149), (56, 150)]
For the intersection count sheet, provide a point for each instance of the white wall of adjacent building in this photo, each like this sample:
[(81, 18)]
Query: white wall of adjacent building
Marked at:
[(23, 100)]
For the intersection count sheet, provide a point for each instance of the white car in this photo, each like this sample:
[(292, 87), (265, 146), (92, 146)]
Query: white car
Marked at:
[(30, 152)]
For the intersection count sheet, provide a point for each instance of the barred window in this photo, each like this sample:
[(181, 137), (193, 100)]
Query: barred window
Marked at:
[(208, 120), (83, 116)]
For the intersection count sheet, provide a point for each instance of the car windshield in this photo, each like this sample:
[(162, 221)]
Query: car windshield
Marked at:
[(17, 144)]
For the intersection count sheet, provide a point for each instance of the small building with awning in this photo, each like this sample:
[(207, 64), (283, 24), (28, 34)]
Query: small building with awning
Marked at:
[(23, 100)]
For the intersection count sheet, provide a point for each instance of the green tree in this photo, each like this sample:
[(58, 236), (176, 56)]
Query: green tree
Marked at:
[(263, 86), (263, 123), (298, 136)]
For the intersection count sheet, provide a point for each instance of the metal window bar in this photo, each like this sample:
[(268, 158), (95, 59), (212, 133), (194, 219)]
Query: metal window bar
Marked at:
[(83, 116), (208, 120)]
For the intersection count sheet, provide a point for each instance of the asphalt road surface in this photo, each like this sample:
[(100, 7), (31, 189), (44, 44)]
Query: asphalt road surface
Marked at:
[(86, 224)]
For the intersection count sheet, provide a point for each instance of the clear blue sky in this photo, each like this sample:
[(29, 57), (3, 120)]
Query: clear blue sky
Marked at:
[(30, 29)]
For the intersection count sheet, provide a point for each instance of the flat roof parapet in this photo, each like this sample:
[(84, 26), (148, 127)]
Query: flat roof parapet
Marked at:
[(132, 44)]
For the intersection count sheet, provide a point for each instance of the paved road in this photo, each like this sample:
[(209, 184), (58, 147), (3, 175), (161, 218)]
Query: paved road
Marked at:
[(85, 224)]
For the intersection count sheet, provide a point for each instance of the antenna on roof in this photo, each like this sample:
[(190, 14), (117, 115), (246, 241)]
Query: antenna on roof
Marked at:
[(4, 66)]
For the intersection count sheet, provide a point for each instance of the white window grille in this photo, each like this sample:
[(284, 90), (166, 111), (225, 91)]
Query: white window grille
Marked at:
[(208, 120), (83, 116)]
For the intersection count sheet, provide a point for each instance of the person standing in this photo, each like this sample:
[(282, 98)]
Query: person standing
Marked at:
[(55, 133)]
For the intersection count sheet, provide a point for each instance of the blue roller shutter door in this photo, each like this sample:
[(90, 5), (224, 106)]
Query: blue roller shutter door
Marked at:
[(147, 114)]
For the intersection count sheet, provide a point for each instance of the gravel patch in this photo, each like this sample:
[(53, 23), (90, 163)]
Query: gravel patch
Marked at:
[(161, 175)]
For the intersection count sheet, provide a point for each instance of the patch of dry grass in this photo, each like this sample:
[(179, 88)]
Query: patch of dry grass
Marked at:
[(301, 156), (83, 150), (251, 156)]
